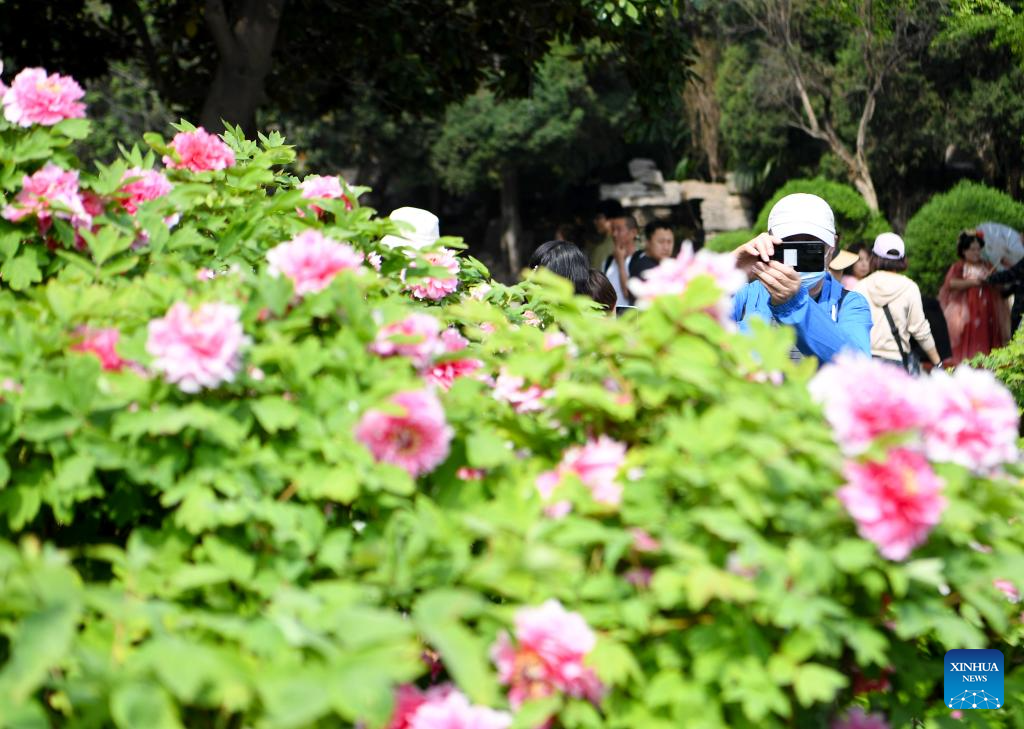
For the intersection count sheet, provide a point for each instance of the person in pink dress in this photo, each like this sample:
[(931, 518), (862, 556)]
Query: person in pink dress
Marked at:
[(976, 314)]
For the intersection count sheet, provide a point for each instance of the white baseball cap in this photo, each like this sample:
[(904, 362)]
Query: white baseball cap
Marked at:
[(425, 228), (803, 213), (889, 246)]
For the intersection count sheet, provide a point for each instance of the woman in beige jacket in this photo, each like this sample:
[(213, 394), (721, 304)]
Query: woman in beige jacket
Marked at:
[(887, 287)]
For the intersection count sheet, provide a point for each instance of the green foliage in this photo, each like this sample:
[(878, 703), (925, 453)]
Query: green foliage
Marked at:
[(753, 133), (1007, 363), (729, 241), (238, 558), (484, 135), (855, 221), (931, 234)]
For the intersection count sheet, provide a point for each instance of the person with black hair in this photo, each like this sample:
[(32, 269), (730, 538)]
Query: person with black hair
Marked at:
[(626, 261), (601, 290), (565, 259), (661, 241), (975, 312)]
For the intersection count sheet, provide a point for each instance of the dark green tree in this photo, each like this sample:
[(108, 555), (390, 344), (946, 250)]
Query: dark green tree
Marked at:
[(487, 141)]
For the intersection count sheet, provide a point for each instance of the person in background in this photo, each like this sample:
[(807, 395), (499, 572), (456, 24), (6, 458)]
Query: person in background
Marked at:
[(565, 259), (896, 307), (827, 318), (1012, 276), (601, 290), (851, 265), (975, 312), (661, 241), (607, 211), (626, 261)]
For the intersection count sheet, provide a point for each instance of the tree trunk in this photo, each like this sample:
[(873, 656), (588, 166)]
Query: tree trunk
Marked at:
[(702, 106), (511, 226), (245, 44), (866, 187)]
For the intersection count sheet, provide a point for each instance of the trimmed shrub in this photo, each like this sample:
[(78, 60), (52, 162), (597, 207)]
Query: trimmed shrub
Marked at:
[(247, 485), (728, 241), (855, 221), (931, 234)]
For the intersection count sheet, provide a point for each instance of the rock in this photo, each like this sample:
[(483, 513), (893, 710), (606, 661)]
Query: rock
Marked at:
[(722, 208)]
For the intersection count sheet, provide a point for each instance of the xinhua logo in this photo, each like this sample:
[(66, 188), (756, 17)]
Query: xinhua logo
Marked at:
[(974, 679)]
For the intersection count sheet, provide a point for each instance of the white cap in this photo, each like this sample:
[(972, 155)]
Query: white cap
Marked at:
[(889, 246), (425, 228), (803, 213)]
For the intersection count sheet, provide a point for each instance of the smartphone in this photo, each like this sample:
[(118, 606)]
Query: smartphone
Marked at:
[(803, 256)]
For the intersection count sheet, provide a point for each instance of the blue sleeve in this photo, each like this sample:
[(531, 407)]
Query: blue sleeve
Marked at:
[(817, 334), (738, 302)]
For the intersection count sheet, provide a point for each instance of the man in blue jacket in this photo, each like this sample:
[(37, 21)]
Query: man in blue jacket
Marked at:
[(827, 318)]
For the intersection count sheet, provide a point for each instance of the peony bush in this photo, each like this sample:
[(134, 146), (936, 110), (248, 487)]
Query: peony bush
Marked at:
[(261, 469)]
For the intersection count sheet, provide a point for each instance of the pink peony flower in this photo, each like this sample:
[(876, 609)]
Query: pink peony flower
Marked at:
[(856, 718), (553, 340), (416, 439), (530, 318), (416, 337), (199, 151), (673, 276), (206, 274), (552, 645), (453, 711), (436, 288), (1007, 588), (465, 473), (596, 464), (896, 503), (102, 343), (444, 374), (408, 700), (453, 341), (972, 419), (35, 98), (140, 185), (643, 541), (639, 577), (329, 187), (312, 260), (49, 192), (197, 349), (513, 390), (864, 399)]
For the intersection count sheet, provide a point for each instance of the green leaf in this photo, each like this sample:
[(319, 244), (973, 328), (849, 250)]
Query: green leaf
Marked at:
[(40, 644), (73, 128), (814, 683), (137, 704), (485, 449), (465, 654), (21, 271), (294, 699), (275, 413)]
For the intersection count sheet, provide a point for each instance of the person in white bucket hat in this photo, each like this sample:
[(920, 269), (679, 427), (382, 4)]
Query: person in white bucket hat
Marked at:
[(425, 229), (827, 318)]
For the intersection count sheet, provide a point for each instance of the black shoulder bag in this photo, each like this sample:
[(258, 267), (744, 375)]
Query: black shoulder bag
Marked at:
[(910, 364)]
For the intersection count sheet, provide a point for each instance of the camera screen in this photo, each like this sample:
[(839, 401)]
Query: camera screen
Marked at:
[(802, 256)]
